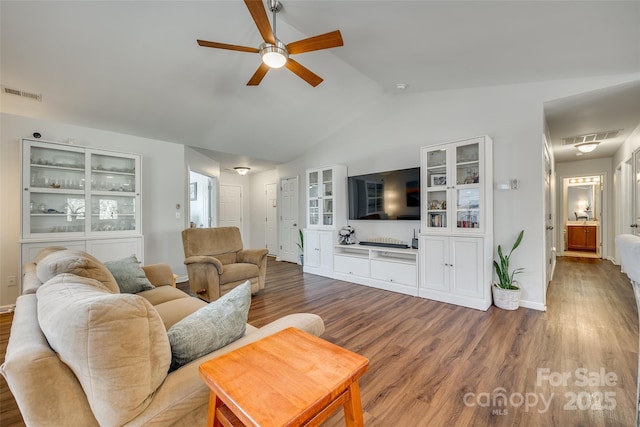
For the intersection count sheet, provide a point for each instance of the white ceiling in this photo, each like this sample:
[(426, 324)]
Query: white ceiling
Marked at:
[(134, 67)]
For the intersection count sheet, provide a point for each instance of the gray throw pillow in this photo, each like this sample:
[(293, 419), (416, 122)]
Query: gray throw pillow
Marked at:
[(219, 323), (129, 275)]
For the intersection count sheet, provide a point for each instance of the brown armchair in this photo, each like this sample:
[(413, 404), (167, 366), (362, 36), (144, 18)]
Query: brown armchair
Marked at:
[(216, 262)]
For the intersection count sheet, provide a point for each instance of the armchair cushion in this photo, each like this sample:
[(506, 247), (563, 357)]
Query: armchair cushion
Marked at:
[(238, 271), (211, 327), (129, 276)]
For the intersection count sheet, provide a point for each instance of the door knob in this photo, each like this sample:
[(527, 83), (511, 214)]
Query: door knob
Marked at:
[(634, 226), (295, 225), (549, 227)]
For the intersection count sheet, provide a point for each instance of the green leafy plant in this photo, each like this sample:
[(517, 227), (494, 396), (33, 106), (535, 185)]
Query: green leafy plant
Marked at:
[(301, 242), (505, 279)]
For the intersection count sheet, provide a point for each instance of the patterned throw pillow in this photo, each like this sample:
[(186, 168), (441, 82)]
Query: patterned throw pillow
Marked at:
[(212, 327)]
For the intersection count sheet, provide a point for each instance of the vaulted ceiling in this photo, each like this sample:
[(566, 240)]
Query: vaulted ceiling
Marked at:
[(134, 66)]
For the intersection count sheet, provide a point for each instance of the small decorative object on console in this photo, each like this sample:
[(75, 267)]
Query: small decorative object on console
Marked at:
[(347, 235)]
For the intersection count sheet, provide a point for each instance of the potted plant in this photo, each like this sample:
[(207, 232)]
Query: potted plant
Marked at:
[(301, 246), (506, 291)]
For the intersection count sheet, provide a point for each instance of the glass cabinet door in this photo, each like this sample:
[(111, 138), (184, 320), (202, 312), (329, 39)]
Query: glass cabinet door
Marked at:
[(78, 191), (437, 196), (467, 193), (313, 199), (54, 181), (320, 210), (453, 183), (113, 194)]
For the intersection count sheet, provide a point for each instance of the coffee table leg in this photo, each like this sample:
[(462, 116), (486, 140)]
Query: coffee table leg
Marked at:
[(353, 407), (214, 402)]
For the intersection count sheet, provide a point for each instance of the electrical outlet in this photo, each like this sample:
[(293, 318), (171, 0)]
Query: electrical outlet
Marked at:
[(11, 281), (177, 215)]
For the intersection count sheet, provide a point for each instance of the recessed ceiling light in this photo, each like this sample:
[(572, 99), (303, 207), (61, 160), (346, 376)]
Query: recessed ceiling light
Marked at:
[(401, 86)]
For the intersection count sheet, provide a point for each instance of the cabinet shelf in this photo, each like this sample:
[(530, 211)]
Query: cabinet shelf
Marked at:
[(54, 167), (106, 172)]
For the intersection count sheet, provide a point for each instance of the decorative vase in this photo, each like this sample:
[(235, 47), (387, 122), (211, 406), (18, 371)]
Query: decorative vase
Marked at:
[(507, 299), (302, 260)]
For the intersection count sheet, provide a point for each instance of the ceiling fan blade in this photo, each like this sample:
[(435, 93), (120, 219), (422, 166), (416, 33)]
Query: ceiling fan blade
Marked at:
[(259, 15), (217, 45), (303, 72), (258, 75), (323, 41)]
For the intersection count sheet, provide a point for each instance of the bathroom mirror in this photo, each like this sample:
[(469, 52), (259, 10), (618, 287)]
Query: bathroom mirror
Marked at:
[(581, 202)]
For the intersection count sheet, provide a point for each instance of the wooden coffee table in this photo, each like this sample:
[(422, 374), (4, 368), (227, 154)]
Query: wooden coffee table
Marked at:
[(290, 378)]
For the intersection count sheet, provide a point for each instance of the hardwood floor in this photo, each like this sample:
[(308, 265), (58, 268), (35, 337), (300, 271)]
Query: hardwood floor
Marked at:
[(435, 364)]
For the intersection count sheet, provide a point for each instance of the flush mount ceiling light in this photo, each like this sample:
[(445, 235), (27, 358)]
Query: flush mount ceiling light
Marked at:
[(242, 170), (587, 147)]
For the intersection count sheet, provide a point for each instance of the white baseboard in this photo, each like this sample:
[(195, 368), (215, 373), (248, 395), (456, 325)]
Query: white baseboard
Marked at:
[(533, 305)]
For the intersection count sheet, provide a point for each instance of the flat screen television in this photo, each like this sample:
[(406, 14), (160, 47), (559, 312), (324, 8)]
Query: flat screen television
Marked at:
[(391, 195)]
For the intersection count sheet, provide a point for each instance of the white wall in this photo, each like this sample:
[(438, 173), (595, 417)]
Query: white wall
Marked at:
[(163, 186), (390, 134)]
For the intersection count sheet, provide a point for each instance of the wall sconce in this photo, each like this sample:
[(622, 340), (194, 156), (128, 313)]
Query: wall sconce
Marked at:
[(242, 170)]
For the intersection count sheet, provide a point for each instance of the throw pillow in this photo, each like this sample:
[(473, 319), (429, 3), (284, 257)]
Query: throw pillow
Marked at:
[(129, 275), (212, 327)]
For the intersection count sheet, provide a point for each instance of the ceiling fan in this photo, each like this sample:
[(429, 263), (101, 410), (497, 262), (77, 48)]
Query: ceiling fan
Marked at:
[(274, 53)]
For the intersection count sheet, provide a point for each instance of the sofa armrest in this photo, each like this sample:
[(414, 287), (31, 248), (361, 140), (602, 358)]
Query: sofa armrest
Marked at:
[(252, 256), (159, 274), (205, 259)]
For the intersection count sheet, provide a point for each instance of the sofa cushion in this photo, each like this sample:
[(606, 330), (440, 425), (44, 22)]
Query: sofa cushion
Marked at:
[(78, 263), (219, 323), (162, 294), (171, 312), (115, 344), (129, 275)]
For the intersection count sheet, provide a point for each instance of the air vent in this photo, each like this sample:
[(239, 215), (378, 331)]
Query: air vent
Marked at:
[(22, 93), (600, 136)]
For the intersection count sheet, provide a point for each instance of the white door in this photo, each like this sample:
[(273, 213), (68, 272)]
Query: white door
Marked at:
[(271, 218), (289, 234), (636, 193), (230, 206), (550, 258)]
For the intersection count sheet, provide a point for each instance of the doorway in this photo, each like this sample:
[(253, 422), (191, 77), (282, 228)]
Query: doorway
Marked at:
[(582, 216), (289, 233), (202, 200), (231, 206)]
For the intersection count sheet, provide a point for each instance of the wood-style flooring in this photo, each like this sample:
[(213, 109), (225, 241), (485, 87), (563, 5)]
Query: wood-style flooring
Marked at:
[(435, 364)]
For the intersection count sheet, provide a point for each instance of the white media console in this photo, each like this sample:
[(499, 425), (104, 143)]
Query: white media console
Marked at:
[(393, 269)]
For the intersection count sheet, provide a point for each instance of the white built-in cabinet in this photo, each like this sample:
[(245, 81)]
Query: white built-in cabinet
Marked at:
[(456, 240), (379, 267), (80, 198), (318, 249), (326, 213)]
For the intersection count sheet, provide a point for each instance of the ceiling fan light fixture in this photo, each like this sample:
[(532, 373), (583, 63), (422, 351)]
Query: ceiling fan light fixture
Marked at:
[(274, 56), (587, 147), (242, 170)]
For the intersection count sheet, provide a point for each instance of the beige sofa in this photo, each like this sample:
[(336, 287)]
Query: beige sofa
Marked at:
[(217, 263), (113, 354)]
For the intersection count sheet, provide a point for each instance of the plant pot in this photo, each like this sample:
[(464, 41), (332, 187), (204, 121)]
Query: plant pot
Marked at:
[(507, 299), (302, 260)]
